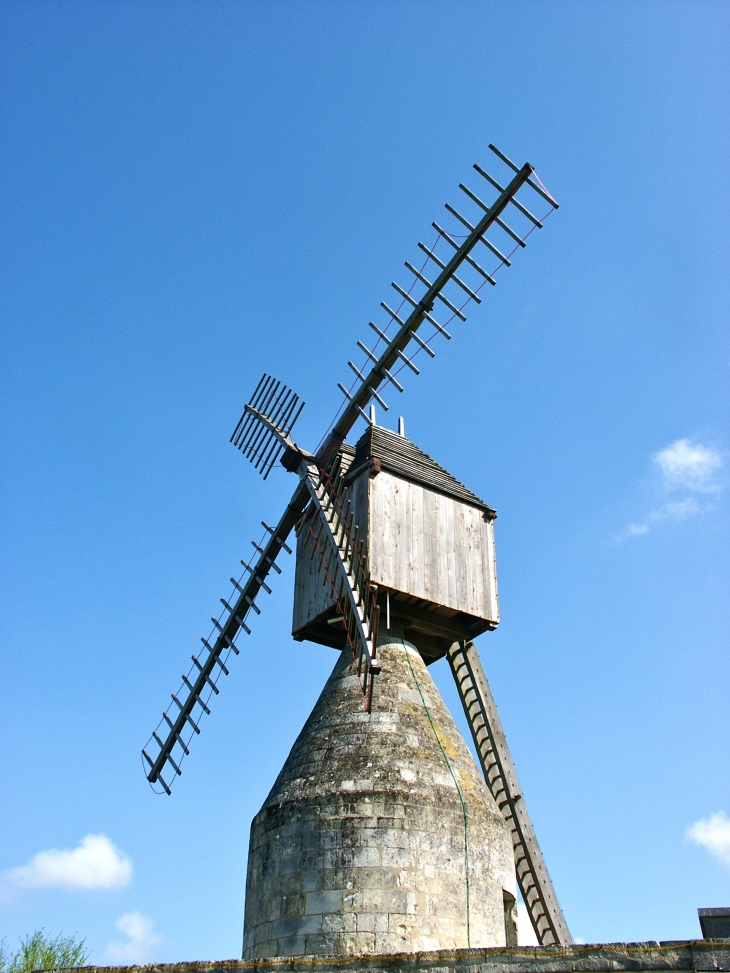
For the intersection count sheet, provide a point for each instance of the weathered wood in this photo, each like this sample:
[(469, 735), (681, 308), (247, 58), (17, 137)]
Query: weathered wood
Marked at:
[(431, 546), (432, 541)]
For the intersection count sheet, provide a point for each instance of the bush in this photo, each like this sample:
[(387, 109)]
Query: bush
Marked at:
[(40, 952)]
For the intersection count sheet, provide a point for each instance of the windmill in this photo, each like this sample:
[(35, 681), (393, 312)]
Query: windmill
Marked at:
[(351, 510)]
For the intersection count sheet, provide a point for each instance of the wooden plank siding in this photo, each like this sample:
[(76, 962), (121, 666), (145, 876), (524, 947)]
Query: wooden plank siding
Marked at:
[(429, 542), (431, 547)]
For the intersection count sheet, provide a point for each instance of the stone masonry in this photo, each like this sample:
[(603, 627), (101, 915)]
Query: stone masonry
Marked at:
[(702, 956), (379, 835)]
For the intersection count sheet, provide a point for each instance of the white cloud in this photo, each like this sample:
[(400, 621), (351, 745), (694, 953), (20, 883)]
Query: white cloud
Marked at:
[(678, 510), (690, 466), (683, 466), (95, 863), (713, 833), (141, 940)]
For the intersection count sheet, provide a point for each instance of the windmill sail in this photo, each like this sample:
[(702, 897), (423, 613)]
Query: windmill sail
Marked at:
[(334, 534), (449, 281), (164, 754), (436, 285), (263, 443), (536, 887)]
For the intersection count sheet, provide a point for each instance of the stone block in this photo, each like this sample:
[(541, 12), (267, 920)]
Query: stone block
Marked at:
[(367, 856), (296, 926), (382, 900), (357, 943), (289, 884), (388, 942), (365, 921), (398, 858), (291, 864), (320, 902), (262, 932), (267, 948), (291, 905), (374, 878), (352, 901), (290, 946), (310, 881), (340, 922), (328, 943), (381, 923)]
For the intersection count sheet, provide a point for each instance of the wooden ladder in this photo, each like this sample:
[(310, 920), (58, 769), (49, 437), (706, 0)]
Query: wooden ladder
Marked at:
[(499, 772), (342, 555)]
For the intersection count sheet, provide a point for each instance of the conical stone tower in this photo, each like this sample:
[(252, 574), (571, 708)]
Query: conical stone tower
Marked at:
[(379, 835)]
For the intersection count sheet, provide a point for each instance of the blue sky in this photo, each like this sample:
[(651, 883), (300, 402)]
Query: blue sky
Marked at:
[(194, 194)]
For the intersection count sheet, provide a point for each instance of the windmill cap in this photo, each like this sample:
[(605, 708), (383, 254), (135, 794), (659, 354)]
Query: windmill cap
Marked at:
[(400, 456)]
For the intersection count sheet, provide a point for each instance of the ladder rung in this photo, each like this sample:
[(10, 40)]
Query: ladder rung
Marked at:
[(391, 378), (187, 715), (422, 343), (174, 765)]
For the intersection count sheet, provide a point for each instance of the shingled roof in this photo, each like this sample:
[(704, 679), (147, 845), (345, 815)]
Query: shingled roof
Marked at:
[(400, 456)]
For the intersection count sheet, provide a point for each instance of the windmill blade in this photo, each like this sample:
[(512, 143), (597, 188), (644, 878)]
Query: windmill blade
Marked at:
[(258, 441), (400, 335), (179, 724), (532, 875)]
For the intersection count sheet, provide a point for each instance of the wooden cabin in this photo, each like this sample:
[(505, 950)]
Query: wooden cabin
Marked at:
[(429, 545)]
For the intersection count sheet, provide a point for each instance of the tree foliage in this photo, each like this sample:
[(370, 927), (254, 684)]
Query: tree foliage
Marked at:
[(40, 952)]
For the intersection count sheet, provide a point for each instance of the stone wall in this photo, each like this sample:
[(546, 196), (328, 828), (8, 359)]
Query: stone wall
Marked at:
[(379, 834), (704, 956)]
